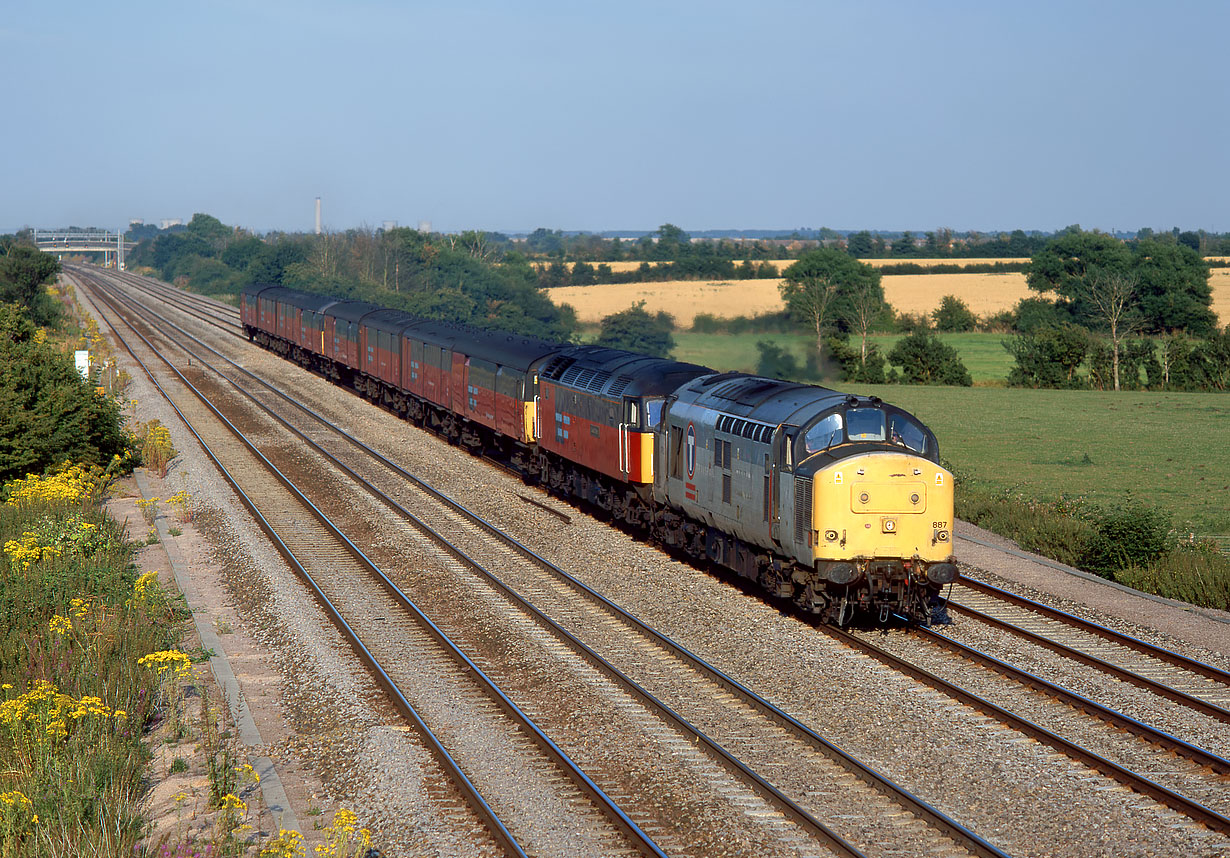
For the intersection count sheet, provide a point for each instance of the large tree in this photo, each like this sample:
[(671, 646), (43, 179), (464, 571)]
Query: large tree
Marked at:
[(1067, 263), (24, 271), (1173, 289), (1171, 281), (820, 287), (638, 330), (48, 412)]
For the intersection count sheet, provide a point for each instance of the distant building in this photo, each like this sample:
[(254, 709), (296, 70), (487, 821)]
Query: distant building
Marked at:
[(136, 221), (389, 225), (424, 226), (172, 221)]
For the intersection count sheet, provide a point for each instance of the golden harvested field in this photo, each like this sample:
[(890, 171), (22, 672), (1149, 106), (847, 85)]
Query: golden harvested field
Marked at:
[(1220, 281), (908, 293), (781, 264), (684, 299)]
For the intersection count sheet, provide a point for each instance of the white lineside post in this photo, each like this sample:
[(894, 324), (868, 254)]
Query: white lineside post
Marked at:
[(318, 215), (119, 251)]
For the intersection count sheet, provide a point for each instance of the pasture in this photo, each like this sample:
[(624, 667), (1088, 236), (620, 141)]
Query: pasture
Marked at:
[(1166, 449)]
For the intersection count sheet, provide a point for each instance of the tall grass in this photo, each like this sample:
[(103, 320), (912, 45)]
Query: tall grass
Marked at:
[(75, 701), (1130, 542)]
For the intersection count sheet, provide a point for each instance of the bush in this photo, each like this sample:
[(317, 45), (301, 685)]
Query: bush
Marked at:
[(776, 362), (636, 330), (953, 316), (1193, 572), (924, 359), (855, 367), (1127, 535), (1048, 357), (48, 412)]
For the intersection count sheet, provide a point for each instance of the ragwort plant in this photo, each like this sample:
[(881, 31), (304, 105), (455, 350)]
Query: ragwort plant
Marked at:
[(73, 699)]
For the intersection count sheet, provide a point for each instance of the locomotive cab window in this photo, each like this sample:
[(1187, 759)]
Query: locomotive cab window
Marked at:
[(865, 424), (824, 433), (905, 432), (653, 413)]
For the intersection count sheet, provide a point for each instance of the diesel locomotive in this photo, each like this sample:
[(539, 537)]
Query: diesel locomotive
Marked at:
[(836, 502)]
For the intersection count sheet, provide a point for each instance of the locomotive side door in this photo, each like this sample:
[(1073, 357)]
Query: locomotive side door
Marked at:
[(631, 417), (781, 468)]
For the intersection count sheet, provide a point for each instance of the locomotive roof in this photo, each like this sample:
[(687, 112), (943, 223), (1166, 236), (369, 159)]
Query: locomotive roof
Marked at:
[(766, 400), (613, 372)]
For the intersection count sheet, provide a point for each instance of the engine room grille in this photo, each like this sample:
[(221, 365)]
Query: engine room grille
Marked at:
[(802, 508)]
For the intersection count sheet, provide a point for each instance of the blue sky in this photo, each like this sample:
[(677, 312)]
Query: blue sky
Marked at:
[(618, 115)]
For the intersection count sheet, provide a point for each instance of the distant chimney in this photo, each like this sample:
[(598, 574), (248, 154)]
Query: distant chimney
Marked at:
[(318, 215)]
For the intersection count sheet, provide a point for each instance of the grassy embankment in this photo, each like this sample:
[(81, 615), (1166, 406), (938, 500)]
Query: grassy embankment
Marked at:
[(86, 661)]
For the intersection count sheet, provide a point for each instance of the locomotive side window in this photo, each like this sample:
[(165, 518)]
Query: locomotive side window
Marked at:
[(823, 434), (904, 431), (865, 424), (677, 452), (653, 413)]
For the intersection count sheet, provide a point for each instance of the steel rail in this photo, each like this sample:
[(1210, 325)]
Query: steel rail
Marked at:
[(1177, 659), (639, 839), (1128, 778), (936, 818), (1138, 728), (1159, 688)]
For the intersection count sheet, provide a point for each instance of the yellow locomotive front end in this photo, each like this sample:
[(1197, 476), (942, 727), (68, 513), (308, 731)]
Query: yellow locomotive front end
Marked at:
[(882, 532)]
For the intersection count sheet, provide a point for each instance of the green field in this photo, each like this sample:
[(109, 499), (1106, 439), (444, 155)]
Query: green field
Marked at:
[(1166, 449), (983, 354)]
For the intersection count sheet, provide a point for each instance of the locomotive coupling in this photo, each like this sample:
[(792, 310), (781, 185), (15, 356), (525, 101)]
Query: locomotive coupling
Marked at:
[(942, 573)]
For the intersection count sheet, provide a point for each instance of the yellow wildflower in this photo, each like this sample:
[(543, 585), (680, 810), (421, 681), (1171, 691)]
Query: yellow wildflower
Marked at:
[(145, 586), (168, 660), (60, 625), (288, 844)]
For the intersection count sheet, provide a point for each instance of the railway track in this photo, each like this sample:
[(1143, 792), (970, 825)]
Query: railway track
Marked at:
[(821, 776), (588, 614), (1201, 687), (424, 665)]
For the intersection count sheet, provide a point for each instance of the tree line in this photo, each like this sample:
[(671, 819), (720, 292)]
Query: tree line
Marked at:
[(462, 278), (1098, 300)]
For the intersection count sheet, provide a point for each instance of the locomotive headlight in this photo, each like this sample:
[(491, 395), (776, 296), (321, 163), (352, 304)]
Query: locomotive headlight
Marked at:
[(914, 498), (941, 536), (864, 497), (830, 535), (888, 525)]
